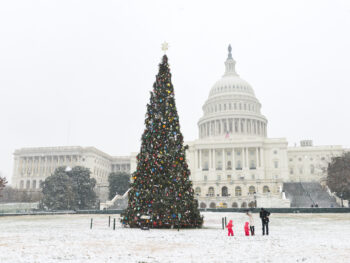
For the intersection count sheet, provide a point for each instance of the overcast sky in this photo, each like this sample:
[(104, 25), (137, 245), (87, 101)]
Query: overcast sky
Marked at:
[(80, 72)]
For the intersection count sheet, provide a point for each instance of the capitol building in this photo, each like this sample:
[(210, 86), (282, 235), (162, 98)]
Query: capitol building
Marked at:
[(233, 163)]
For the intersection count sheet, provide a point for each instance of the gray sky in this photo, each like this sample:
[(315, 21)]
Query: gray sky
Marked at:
[(79, 72)]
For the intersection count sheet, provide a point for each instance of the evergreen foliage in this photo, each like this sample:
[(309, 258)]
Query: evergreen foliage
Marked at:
[(338, 175), (3, 182), (119, 183), (161, 192), (69, 189)]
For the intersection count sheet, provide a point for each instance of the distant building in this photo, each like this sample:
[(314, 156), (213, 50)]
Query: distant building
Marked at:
[(233, 163), (33, 165)]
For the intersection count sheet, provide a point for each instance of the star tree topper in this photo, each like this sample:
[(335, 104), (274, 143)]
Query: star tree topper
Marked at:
[(165, 46)]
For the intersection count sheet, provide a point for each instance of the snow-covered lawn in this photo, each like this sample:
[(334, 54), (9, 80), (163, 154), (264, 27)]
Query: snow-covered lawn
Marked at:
[(68, 238)]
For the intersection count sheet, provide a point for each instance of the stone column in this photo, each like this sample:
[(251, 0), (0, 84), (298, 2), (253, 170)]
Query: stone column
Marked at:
[(210, 163), (247, 158), (233, 160), (224, 159), (257, 157), (262, 157), (214, 159)]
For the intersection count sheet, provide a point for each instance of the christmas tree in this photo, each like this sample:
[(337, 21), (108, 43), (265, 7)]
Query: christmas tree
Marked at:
[(161, 194)]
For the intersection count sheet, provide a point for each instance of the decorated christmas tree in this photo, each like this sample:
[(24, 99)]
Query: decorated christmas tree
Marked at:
[(161, 194)]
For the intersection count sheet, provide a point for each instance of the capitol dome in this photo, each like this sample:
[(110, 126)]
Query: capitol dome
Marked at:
[(232, 110)]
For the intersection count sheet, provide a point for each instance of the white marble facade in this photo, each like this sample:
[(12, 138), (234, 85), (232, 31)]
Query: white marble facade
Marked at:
[(33, 165), (233, 163)]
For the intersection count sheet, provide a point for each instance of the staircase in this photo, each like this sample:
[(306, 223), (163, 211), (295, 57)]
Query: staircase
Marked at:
[(306, 194), (118, 202)]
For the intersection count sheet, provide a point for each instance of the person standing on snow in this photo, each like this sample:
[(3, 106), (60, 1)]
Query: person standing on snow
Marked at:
[(229, 228), (246, 228), (264, 215), (251, 223)]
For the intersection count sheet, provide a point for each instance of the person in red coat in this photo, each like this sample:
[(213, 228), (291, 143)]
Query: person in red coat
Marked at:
[(229, 228), (246, 228)]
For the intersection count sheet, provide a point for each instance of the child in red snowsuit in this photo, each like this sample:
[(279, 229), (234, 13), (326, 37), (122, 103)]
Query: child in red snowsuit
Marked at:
[(246, 228), (229, 228)]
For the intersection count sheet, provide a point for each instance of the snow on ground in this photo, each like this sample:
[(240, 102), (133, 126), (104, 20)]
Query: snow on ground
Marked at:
[(68, 238)]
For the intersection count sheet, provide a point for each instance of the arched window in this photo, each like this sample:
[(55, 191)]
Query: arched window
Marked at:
[(203, 205), (234, 204), (198, 191), (212, 205), (266, 189), (251, 190), (34, 184), (211, 191), (244, 205), (251, 204), (238, 191), (224, 191)]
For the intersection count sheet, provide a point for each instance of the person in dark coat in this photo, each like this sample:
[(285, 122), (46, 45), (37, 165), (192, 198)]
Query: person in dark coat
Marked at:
[(264, 216)]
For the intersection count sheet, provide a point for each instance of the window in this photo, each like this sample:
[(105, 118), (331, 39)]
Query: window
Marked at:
[(276, 164), (300, 170), (228, 177), (203, 205), (238, 191), (291, 159), (224, 191), (252, 165), (266, 189), (251, 190), (211, 191), (198, 191), (229, 165), (244, 205), (291, 170), (234, 205), (239, 166), (218, 177), (205, 178), (312, 169)]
